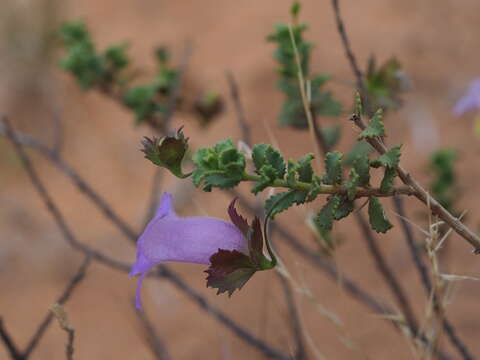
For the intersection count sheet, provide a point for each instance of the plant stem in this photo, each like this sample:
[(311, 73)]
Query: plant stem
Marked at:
[(332, 189)]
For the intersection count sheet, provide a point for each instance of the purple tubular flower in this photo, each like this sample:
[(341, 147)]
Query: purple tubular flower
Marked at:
[(470, 101), (168, 237)]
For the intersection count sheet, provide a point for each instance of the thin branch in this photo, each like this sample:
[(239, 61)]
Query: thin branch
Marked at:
[(12, 349), (386, 272), (163, 271), (74, 176), (305, 101), (422, 194), (425, 279), (347, 47), (177, 87), (62, 299), (239, 110), (153, 198), (157, 345), (300, 351), (58, 311)]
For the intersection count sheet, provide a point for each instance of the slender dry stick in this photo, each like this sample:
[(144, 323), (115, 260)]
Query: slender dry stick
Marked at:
[(422, 270), (62, 299), (422, 194), (306, 104), (153, 198), (239, 110), (13, 350), (177, 87), (387, 273), (157, 345), (347, 47), (300, 351), (58, 311), (163, 271)]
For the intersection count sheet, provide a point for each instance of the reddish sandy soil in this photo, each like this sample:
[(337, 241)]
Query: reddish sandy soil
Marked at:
[(436, 43)]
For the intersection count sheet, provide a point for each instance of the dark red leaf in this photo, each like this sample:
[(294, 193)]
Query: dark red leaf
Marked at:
[(229, 271), (239, 221)]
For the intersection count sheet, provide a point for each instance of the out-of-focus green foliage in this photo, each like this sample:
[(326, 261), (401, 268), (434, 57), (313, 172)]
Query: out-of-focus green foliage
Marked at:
[(384, 84), (443, 187), (90, 67), (322, 101)]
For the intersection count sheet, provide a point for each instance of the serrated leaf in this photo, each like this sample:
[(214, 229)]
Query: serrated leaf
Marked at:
[(333, 166), (219, 166), (229, 271), (305, 169), (375, 127), (325, 217), (264, 154), (277, 203), (352, 184), (343, 209), (387, 181), (362, 168), (378, 220), (390, 159)]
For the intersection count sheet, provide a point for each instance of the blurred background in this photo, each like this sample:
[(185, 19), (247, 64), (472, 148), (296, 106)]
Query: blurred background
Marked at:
[(437, 44)]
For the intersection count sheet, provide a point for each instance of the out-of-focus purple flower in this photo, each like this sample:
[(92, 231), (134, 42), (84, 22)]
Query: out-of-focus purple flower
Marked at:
[(469, 101), (168, 237)]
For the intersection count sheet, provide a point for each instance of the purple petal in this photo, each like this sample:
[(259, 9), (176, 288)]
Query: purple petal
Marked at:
[(165, 208), (470, 101)]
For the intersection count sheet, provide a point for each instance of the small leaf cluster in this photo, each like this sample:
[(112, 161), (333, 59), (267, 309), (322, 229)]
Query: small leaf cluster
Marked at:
[(149, 99), (385, 84), (221, 166), (90, 67), (322, 102), (444, 187), (107, 71)]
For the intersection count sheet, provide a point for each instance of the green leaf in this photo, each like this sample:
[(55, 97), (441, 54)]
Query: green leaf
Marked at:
[(352, 184), (325, 217), (333, 166), (219, 166), (375, 127), (305, 169), (378, 220), (295, 9), (390, 159), (282, 201), (264, 154), (387, 182), (360, 149), (343, 209), (362, 168)]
